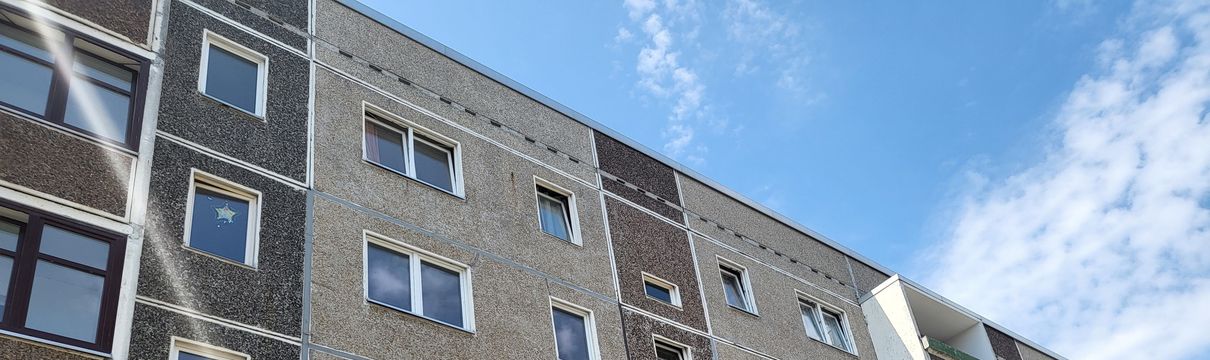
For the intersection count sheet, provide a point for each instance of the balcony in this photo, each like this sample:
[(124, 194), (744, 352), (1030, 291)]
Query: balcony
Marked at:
[(908, 322)]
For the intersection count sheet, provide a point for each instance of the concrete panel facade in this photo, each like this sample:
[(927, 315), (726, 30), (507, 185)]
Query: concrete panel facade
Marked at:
[(1003, 345), (11, 348), (128, 18), (1029, 353), (641, 331), (278, 142), (282, 20), (644, 243), (642, 171), (153, 338)]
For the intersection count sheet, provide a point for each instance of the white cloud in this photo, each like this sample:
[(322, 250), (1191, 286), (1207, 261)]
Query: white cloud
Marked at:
[(762, 34), (623, 35), (1102, 249)]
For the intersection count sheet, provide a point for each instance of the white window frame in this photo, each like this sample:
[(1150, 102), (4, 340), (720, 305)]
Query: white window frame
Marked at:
[(210, 38), (409, 130), (673, 289), (572, 216), (590, 325), (415, 256), (230, 188), (658, 341), (745, 284), (198, 348), (819, 308)]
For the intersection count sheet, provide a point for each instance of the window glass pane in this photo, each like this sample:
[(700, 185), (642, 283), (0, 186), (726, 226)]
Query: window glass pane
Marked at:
[(442, 293), (6, 274), (810, 321), (190, 356), (219, 224), (571, 338), (389, 277), (552, 215), (104, 71), (9, 233), (97, 109), (733, 289), (433, 166), (74, 247), (835, 333), (231, 78), (25, 42), (667, 353), (23, 83), (65, 302), (385, 147), (658, 292)]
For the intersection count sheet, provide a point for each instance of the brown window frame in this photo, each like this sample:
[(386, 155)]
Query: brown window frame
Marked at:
[(25, 260), (64, 75)]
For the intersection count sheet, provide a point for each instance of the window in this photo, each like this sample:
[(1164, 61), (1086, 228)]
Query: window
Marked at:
[(69, 80), (409, 280), (233, 74), (557, 211), (411, 151), (189, 350), (825, 325), (58, 280), (736, 286), (666, 349), (575, 331), (223, 219), (661, 290)]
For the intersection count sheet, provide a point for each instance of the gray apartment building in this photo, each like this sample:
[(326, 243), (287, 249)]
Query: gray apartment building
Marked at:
[(273, 179)]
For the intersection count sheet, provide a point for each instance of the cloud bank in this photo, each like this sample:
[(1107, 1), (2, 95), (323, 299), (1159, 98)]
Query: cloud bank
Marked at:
[(1102, 249)]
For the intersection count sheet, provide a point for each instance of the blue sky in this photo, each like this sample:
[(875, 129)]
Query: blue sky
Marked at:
[(909, 128)]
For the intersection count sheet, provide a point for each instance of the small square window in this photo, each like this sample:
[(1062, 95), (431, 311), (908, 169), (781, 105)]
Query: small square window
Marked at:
[(233, 74), (418, 283), (409, 151), (557, 211), (575, 331), (223, 219), (736, 286), (661, 290), (190, 350), (825, 325), (666, 349)]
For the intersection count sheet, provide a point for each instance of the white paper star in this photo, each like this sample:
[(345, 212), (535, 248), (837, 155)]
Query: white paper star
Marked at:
[(225, 214)]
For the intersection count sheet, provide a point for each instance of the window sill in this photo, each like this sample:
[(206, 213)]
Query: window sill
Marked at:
[(742, 310), (415, 180), (665, 303), (833, 346), (422, 317), (41, 341), (222, 103), (559, 239)]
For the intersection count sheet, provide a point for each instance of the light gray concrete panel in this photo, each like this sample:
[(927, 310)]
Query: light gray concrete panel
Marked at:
[(729, 352), (1029, 353), (64, 166), (778, 330), (512, 306), (867, 277), (367, 39), (793, 245), (499, 212)]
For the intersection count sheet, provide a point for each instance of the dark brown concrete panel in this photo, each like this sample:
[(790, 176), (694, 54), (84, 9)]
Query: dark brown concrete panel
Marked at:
[(640, 343), (11, 348), (643, 200), (63, 165), (1004, 346), (633, 166), (268, 297), (643, 243), (153, 329), (131, 18), (867, 277), (278, 142), (291, 12)]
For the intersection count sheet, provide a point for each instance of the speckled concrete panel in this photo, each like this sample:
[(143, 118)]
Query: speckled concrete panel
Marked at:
[(59, 164), (790, 243), (640, 340), (386, 48), (319, 355), (729, 352), (270, 296), (153, 329), (278, 142), (778, 330), (511, 305), (641, 243), (637, 168), (292, 12), (1004, 346), (1029, 353), (499, 213), (131, 18), (867, 277), (12, 348)]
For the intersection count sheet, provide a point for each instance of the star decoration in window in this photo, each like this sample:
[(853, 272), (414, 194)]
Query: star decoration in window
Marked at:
[(225, 214)]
